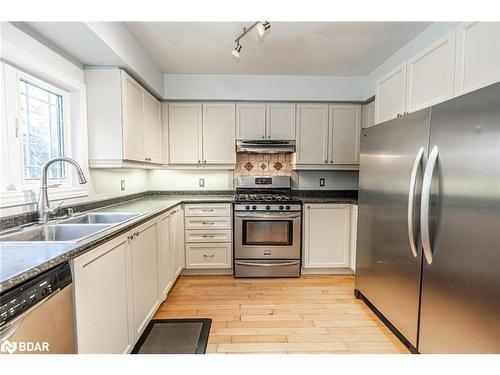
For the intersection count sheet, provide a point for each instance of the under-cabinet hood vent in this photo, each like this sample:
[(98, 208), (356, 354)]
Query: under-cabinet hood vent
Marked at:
[(266, 146)]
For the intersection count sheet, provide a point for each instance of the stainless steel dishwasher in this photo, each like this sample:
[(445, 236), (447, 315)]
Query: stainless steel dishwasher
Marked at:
[(36, 317)]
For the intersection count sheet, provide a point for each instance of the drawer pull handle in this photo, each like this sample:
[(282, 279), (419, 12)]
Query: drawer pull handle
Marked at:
[(208, 256), (208, 223), (208, 210), (208, 236)]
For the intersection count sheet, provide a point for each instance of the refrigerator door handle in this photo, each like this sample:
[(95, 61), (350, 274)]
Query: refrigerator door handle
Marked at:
[(411, 197), (424, 208)]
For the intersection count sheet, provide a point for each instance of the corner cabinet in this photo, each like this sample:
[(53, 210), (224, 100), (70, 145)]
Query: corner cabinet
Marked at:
[(123, 120), (201, 134), (328, 136), (326, 240)]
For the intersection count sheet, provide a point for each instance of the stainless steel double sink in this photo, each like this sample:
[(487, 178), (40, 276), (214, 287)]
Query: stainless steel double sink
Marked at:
[(73, 229)]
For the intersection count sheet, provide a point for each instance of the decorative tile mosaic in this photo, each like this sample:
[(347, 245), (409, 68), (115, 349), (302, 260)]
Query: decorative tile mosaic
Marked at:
[(263, 164)]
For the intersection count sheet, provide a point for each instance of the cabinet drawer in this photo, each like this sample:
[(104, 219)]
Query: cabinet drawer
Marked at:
[(216, 255), (208, 210), (208, 223), (208, 235)]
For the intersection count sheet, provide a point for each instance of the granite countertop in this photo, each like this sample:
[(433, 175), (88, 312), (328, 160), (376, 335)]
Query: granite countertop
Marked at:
[(22, 261), (343, 200)]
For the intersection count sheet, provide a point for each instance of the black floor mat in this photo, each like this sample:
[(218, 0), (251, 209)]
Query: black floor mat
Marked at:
[(174, 336)]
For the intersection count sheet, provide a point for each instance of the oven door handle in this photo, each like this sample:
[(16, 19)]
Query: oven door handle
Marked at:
[(267, 264), (275, 215)]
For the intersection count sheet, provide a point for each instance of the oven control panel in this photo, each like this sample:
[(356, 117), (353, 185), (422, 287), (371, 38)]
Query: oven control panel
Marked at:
[(263, 180), (267, 207)]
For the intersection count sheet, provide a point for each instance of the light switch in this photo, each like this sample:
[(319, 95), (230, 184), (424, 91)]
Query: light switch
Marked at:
[(201, 182), (122, 185), (321, 182)]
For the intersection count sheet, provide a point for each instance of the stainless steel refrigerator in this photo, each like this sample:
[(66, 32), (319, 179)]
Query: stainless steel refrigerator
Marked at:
[(428, 247)]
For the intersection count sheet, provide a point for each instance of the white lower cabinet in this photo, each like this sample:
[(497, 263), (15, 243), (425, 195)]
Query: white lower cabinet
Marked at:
[(144, 275), (120, 284), (326, 236), (102, 299), (208, 255)]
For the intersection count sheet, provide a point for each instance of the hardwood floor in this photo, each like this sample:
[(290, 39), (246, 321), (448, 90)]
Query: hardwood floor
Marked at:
[(312, 314)]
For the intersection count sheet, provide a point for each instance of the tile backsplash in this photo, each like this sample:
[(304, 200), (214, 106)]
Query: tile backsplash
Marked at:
[(263, 164)]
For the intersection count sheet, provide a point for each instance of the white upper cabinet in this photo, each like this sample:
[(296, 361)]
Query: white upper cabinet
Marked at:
[(280, 121), (368, 115), (390, 94), (133, 125), (345, 132), (219, 133), (250, 121), (185, 136), (312, 134), (430, 74), (478, 56), (152, 128), (123, 120)]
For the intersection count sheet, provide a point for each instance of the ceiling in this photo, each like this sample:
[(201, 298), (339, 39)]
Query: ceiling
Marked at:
[(291, 48)]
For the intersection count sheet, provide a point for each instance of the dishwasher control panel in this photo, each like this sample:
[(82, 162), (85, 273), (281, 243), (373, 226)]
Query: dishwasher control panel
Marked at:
[(15, 302)]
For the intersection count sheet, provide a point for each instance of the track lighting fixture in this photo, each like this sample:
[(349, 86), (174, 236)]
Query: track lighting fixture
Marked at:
[(237, 50), (263, 28)]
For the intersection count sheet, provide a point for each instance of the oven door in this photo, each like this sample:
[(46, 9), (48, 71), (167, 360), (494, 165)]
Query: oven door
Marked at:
[(261, 235)]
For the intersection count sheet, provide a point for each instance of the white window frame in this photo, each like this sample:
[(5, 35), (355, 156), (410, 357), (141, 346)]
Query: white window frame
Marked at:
[(14, 190)]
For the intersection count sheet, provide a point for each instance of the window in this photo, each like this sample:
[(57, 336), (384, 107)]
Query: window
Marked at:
[(42, 130), (36, 125)]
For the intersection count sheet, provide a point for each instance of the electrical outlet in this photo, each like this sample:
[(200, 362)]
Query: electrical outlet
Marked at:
[(201, 182), (122, 185), (321, 182)]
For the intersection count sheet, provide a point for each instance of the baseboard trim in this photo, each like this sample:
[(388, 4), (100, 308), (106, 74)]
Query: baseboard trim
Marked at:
[(208, 271), (327, 271)]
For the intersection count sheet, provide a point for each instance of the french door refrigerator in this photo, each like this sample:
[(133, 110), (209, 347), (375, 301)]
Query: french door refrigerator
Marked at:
[(428, 247)]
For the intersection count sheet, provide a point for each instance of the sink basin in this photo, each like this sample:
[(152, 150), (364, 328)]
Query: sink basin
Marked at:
[(101, 218), (56, 233)]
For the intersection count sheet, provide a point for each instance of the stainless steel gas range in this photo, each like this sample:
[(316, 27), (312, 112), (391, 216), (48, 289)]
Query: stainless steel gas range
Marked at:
[(267, 228)]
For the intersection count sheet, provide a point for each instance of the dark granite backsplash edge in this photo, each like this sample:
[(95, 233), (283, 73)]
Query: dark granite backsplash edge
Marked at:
[(12, 221)]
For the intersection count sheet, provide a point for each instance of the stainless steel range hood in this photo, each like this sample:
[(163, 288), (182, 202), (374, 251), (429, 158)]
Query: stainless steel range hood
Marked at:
[(265, 146)]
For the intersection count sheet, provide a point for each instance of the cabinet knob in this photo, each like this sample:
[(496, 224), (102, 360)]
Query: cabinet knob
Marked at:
[(199, 161), (326, 161), (131, 237), (136, 234), (331, 161), (204, 162), (268, 136), (263, 136)]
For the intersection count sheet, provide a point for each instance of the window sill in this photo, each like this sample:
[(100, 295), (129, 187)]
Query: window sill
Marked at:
[(29, 197)]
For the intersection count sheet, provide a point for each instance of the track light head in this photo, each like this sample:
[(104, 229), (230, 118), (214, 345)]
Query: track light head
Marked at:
[(236, 51), (263, 28)]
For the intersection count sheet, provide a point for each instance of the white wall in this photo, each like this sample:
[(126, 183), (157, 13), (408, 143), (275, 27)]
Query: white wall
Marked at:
[(107, 182), (189, 179), (422, 40), (118, 37), (334, 180), (259, 87)]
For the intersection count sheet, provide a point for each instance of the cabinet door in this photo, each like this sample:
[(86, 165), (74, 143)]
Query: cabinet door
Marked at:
[(345, 128), (368, 115), (143, 260), (178, 250), (250, 121), (477, 56), (184, 125), (152, 129), (390, 94), (280, 121), (101, 299), (312, 134), (431, 73), (165, 279), (326, 236), (133, 127), (219, 133), (164, 134)]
